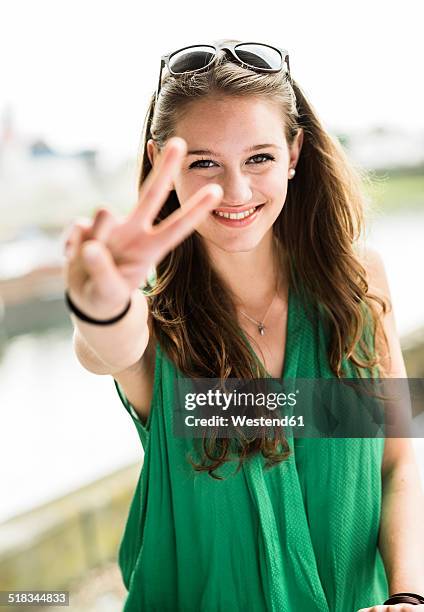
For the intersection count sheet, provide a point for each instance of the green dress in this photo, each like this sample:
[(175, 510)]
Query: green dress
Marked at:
[(300, 537)]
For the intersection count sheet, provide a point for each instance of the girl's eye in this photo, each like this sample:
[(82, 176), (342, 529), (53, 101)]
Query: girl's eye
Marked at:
[(197, 163), (265, 158)]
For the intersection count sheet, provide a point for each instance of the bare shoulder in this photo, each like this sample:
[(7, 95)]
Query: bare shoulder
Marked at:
[(376, 272), (137, 381), (391, 354)]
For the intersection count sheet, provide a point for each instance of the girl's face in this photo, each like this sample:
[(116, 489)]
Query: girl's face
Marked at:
[(240, 144)]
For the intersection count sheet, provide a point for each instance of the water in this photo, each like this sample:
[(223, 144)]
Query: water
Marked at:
[(62, 427)]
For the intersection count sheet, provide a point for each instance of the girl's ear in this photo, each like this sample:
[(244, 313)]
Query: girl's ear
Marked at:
[(296, 148), (152, 151)]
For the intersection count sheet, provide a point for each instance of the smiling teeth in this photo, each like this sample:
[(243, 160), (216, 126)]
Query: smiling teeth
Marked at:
[(241, 215)]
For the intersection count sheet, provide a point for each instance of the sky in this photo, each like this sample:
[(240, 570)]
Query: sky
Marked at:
[(79, 73)]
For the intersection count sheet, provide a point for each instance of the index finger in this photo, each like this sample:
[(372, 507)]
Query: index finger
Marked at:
[(155, 189)]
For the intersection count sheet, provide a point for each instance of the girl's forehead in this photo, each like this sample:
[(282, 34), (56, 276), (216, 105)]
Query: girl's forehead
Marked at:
[(231, 104), (248, 122)]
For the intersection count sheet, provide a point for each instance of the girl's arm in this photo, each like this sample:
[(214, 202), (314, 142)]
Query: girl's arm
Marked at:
[(401, 538)]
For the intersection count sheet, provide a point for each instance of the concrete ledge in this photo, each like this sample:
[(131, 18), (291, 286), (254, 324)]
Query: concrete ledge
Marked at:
[(53, 544)]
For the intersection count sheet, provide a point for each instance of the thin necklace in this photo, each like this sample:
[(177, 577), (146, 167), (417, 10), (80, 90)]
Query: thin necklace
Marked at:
[(260, 324)]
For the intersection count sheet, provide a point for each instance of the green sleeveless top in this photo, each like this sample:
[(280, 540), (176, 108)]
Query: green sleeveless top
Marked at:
[(300, 536)]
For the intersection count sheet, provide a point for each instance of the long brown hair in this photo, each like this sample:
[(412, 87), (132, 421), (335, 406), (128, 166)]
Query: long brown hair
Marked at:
[(193, 313)]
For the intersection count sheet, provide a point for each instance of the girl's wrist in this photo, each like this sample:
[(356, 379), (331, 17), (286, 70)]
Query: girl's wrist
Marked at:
[(410, 598), (82, 316), (119, 345)]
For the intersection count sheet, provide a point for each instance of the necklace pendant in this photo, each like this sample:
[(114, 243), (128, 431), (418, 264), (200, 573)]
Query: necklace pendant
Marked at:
[(261, 329)]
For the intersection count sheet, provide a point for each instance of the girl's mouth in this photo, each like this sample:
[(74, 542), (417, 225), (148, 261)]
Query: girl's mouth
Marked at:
[(238, 219)]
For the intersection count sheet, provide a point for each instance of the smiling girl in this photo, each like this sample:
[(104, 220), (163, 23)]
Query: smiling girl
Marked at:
[(248, 216)]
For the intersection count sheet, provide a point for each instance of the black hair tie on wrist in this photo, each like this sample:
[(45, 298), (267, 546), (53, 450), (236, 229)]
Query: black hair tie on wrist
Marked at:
[(77, 312), (410, 598)]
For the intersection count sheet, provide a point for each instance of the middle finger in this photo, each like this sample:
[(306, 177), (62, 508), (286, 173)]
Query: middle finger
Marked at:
[(172, 230)]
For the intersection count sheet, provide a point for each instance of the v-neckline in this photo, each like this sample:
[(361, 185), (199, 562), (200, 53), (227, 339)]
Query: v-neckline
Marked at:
[(287, 347)]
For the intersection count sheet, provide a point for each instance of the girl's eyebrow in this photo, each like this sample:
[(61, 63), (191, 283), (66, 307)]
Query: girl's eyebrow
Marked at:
[(209, 152)]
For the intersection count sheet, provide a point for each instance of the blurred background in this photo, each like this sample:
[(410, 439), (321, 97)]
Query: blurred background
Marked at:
[(75, 79)]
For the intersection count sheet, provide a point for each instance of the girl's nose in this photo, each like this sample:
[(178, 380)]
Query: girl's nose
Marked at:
[(237, 190)]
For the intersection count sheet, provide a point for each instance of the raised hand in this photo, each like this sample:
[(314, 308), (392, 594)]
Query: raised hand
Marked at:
[(108, 258)]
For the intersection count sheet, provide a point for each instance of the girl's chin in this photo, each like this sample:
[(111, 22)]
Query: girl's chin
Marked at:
[(232, 245)]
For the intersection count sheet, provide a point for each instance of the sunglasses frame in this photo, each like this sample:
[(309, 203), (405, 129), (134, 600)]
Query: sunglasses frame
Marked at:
[(217, 45)]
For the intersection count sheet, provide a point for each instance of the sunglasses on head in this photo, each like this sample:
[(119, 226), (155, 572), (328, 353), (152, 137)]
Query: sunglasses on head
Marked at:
[(198, 58)]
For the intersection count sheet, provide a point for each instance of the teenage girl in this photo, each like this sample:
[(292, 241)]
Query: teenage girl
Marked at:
[(242, 259)]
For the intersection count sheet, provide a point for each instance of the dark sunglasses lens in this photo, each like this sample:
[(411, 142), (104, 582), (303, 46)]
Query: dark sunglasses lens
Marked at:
[(259, 56), (193, 58)]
